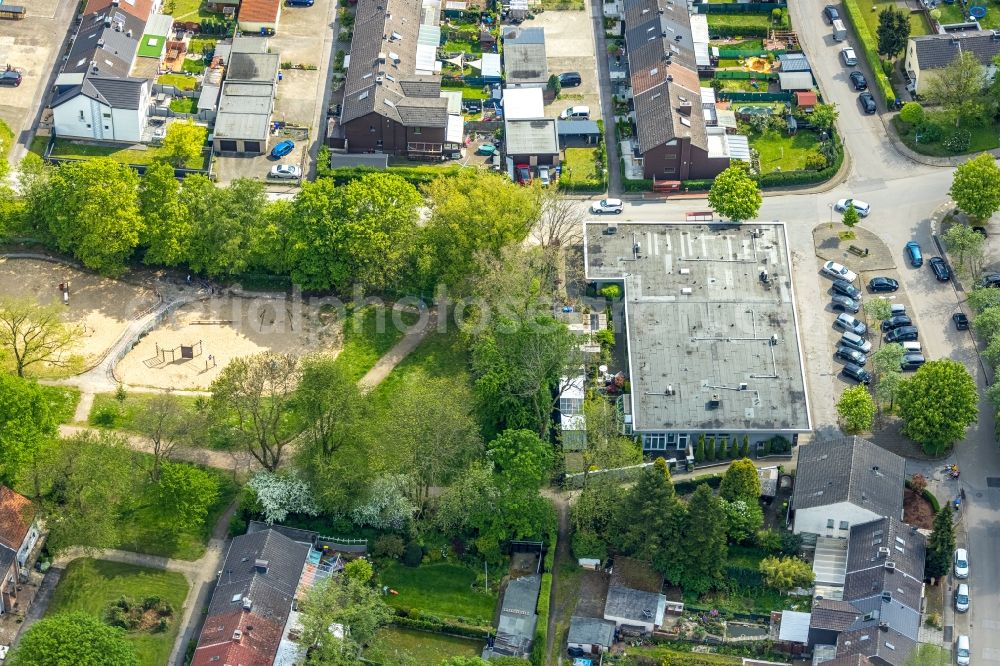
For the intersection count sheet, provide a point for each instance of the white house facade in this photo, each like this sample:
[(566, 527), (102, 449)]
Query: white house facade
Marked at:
[(90, 114)]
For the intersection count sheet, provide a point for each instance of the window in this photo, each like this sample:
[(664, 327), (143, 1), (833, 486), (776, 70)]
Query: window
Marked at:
[(571, 405), (829, 524), (371, 128), (656, 441), (106, 115), (682, 442), (844, 525), (670, 170), (81, 115), (107, 127), (418, 130)]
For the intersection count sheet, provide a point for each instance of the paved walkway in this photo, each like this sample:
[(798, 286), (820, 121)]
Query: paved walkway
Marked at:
[(392, 358), (207, 457), (596, 9)]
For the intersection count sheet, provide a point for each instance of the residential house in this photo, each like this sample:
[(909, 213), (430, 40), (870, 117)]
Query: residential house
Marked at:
[(845, 482), (96, 95), (252, 601), (634, 610), (259, 16), (572, 421), (590, 634), (524, 62), (246, 100), (392, 93), (19, 532), (518, 617), (678, 135), (927, 55)]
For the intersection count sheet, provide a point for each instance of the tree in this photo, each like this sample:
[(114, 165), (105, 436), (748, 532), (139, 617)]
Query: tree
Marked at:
[(785, 573), (521, 458), (912, 113), (386, 505), (699, 450), (740, 482), (281, 494), (256, 393), (877, 310), (937, 405), (25, 424), (359, 570), (705, 546), (184, 142), (887, 388), (168, 228), (186, 493), (856, 409), (982, 298), (824, 115), (987, 323), (975, 187), (73, 638), (606, 447), (893, 31), (743, 519), (554, 85), (735, 193), (959, 87), (888, 358), (35, 334), (232, 226), (968, 248), (167, 425), (560, 223), (90, 208), (640, 515), (940, 544), (355, 606), (850, 217)]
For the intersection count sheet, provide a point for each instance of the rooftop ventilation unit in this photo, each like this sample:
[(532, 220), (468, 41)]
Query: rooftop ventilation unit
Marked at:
[(883, 552), (685, 271), (687, 291), (247, 603), (890, 566), (744, 386), (237, 635)]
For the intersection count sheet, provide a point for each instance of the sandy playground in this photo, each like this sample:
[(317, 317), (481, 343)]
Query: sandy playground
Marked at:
[(102, 306), (192, 345)]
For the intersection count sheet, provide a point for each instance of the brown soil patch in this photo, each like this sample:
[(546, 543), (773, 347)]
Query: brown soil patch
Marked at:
[(917, 511)]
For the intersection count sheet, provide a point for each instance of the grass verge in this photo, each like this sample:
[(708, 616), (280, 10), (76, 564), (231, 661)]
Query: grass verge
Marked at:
[(83, 151)]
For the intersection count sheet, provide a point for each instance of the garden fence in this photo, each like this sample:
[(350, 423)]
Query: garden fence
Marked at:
[(747, 53), (754, 96), (739, 8), (745, 76)]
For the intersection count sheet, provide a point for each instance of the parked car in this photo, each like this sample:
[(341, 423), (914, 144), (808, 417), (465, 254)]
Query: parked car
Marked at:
[(845, 288), (522, 172), (848, 55), (846, 322), (912, 361), (990, 280), (858, 80), (912, 250), (902, 334), (867, 102), (830, 13), (11, 78), (286, 171), (607, 206), (963, 653), (940, 268), (961, 321), (575, 113), (857, 373), (863, 208), (896, 309), (962, 598), (844, 304), (839, 271), (543, 175), (896, 322), (850, 355), (961, 563), (855, 341), (576, 652), (981, 231), (299, 3), (882, 284), (282, 149), (570, 79)]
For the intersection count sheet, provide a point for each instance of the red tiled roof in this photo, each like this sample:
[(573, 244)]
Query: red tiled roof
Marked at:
[(141, 9), (806, 99), (16, 515), (260, 11), (257, 646)]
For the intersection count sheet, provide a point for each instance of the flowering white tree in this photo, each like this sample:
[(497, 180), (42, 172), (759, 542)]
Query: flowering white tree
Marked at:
[(387, 506), (281, 494)]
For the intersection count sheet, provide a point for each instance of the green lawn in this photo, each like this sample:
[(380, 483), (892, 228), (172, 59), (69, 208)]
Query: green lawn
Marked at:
[(6, 138), (439, 355), (178, 81), (79, 150), (394, 645), (107, 412), (918, 24), (463, 46), (202, 44), (474, 92), (189, 10), (784, 152), (368, 335), (193, 66), (144, 528), (90, 585), (745, 45), (184, 104), (575, 5), (62, 401), (740, 20), (444, 590), (982, 138), (580, 168)]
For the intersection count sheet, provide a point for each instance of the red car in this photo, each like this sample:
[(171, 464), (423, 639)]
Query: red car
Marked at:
[(522, 173)]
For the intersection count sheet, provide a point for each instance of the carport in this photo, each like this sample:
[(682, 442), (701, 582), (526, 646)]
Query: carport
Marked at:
[(795, 80), (577, 132)]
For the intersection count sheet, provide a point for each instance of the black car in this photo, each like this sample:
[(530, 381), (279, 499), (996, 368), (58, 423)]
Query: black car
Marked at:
[(575, 652), (880, 284), (850, 355), (570, 79), (961, 321), (857, 373), (912, 361), (10, 78), (941, 270), (858, 80), (845, 288), (831, 13), (902, 334), (896, 322), (990, 280), (844, 304), (981, 231), (867, 101)]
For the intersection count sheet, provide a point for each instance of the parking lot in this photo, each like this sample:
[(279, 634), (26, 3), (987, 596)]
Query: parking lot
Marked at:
[(31, 46), (569, 47), (299, 41)]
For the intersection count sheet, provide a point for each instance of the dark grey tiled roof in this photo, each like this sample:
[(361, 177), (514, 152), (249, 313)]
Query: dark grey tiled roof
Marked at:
[(7, 558), (590, 630), (849, 469), (833, 615), (295, 534), (106, 40), (936, 51), (654, 124), (423, 111), (116, 93), (884, 647), (421, 86)]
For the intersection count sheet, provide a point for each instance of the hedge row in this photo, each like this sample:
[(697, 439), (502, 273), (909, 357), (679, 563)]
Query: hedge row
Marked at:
[(415, 175), (542, 626), (870, 48), (687, 487), (442, 627), (927, 495), (717, 31)]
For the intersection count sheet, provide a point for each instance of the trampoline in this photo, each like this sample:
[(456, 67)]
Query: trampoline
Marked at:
[(977, 12)]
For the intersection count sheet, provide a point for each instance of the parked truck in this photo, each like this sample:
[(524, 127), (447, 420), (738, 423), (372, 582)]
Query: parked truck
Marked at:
[(839, 30)]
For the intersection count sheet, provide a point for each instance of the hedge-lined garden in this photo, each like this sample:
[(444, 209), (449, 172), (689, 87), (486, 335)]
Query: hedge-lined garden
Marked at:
[(869, 46)]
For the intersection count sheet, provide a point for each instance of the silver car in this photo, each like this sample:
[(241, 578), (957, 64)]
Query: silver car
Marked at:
[(286, 171)]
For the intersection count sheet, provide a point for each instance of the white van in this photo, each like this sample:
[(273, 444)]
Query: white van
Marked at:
[(839, 30), (911, 346), (576, 113), (963, 655)]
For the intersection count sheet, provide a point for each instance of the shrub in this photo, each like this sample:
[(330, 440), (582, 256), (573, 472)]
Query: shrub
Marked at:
[(710, 449), (770, 540), (959, 141), (912, 113), (611, 292), (588, 544), (928, 132), (105, 417), (388, 546), (413, 554), (815, 161)]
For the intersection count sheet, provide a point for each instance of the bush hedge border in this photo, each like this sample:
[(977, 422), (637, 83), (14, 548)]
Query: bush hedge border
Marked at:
[(870, 48), (538, 646)]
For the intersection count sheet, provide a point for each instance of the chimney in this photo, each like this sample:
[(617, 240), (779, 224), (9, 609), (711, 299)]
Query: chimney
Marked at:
[(237, 635), (685, 107), (260, 566), (247, 603), (107, 21)]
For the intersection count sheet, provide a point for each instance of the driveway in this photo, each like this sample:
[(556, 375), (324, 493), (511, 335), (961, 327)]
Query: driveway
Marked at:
[(569, 47)]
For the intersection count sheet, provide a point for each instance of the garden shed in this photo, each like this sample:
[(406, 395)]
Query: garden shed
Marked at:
[(806, 100), (590, 634), (795, 80)]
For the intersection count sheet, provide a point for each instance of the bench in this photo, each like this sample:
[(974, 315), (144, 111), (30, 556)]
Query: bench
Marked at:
[(860, 251)]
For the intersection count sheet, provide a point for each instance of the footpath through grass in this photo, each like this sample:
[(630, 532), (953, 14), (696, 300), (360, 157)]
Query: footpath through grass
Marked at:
[(90, 586), (443, 590), (368, 334)]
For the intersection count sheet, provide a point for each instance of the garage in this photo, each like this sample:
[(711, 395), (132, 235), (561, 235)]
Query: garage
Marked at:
[(252, 147), (227, 146)]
